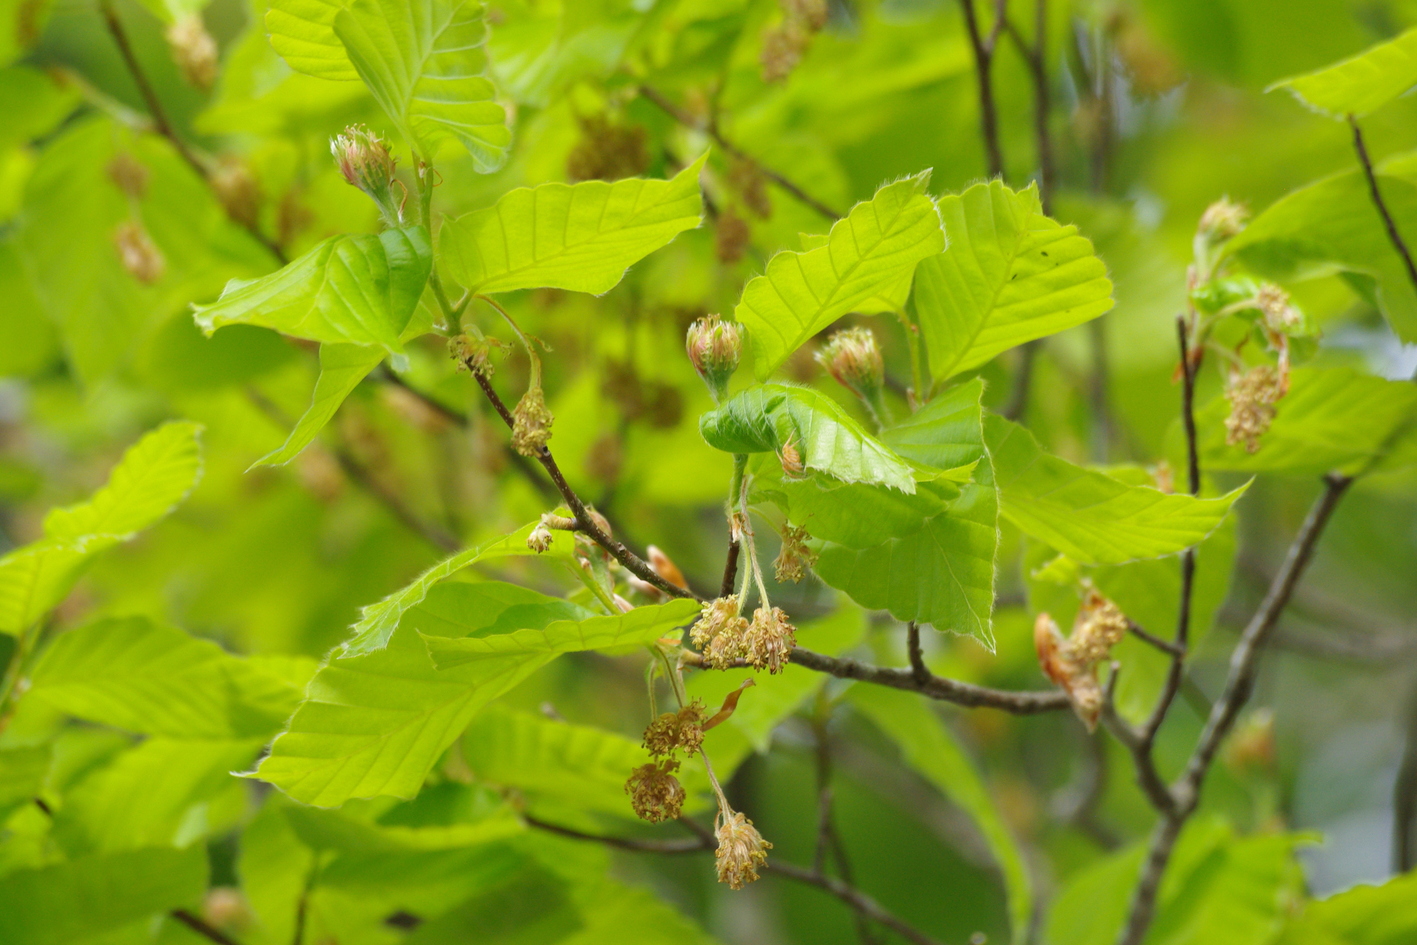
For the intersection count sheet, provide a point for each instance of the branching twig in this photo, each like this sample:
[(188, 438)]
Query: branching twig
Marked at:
[(1388, 222), (713, 131), (163, 126)]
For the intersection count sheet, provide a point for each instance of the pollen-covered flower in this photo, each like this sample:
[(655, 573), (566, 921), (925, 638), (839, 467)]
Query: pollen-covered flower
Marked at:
[(608, 150), (741, 849), (655, 793), (1278, 313), (769, 640), (531, 423), (795, 557), (128, 175), (473, 354), (1100, 625), (676, 731), (138, 253), (714, 346), (194, 51), (1252, 397), (720, 632), (540, 538)]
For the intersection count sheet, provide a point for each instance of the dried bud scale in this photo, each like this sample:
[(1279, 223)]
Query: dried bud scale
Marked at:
[(741, 849), (1078, 680), (531, 423), (714, 347), (655, 793)]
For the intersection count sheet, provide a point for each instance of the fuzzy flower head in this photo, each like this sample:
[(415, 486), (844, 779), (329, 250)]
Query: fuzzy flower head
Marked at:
[(741, 849), (854, 359), (1273, 303), (721, 632), (138, 253), (539, 540), (791, 458), (676, 731), (473, 355), (795, 557), (714, 346), (655, 793), (1100, 625), (1252, 397), (364, 161), (769, 640), (1222, 220), (194, 51), (531, 423)]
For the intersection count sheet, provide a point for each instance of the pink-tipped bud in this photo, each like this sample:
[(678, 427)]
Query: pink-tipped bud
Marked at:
[(854, 359), (364, 161), (714, 346)]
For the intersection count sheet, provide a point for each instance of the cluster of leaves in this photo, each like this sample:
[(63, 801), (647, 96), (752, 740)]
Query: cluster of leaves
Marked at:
[(418, 797)]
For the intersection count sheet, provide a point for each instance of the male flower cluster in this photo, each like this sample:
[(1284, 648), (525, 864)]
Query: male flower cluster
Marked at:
[(741, 849), (795, 557), (725, 636), (1252, 397), (655, 793)]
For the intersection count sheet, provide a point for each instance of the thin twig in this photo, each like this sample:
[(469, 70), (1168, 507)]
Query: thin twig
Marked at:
[(1392, 234), (1244, 667), (585, 522), (163, 126), (983, 49), (199, 925), (713, 131), (1165, 646), (917, 656), (730, 569), (1404, 798)]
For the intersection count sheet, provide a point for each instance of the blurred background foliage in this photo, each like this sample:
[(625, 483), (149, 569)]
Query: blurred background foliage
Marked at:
[(1158, 110)]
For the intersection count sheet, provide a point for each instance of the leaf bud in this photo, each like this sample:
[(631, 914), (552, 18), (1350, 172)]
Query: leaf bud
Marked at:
[(364, 161), (741, 849), (714, 346), (655, 793), (194, 51), (854, 359), (531, 423), (138, 253)]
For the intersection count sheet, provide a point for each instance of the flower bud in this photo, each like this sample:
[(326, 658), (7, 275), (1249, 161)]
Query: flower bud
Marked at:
[(531, 423), (676, 731), (770, 640), (194, 51), (741, 849), (1222, 220), (138, 253), (795, 557), (1252, 397), (852, 357), (364, 161), (539, 540), (714, 346), (655, 793)]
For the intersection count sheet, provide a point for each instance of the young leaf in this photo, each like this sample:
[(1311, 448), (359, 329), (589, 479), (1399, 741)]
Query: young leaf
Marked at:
[(1331, 419), (303, 32), (139, 676), (1010, 275), (867, 253), (580, 237), (930, 748), (423, 60), (774, 417), (342, 367), (358, 290), (941, 570), (1087, 515), (1361, 915), (377, 621), (154, 476), (376, 723), (81, 898), (1361, 84), (1332, 225)]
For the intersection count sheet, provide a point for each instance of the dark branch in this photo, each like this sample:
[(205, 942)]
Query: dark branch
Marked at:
[(199, 925), (730, 569), (1404, 798), (712, 129), (918, 669), (1023, 381), (1165, 646), (585, 522), (983, 49), (163, 126), (696, 845), (1388, 221)]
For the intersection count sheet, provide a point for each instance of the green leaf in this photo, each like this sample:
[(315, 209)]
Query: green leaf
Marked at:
[(641, 626), (1087, 515), (303, 32), (769, 417), (1331, 419), (139, 676), (877, 244), (156, 474), (576, 766), (1010, 275), (1361, 84), (423, 60), (581, 237), (67, 902), (931, 749), (332, 830), (941, 571), (358, 290), (145, 796), (342, 367), (377, 621), (1332, 226), (22, 775), (1363, 915), (376, 723)]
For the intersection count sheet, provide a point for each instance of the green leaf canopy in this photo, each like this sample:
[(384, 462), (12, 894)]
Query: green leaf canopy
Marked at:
[(580, 237), (1010, 275), (1359, 85), (867, 254)]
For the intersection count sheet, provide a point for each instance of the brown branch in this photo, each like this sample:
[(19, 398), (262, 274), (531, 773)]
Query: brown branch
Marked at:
[(730, 569), (163, 126), (1035, 57), (585, 522), (1239, 683), (1165, 646), (199, 925), (1392, 234), (704, 841), (983, 49), (918, 669), (1404, 799), (713, 131)]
